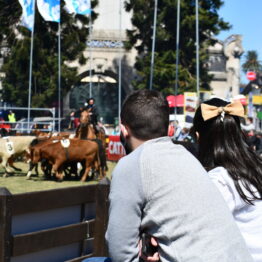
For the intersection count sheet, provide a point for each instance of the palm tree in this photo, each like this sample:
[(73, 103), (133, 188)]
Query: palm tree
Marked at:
[(251, 62)]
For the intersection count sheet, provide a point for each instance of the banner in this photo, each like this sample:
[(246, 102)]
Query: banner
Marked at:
[(28, 14), (190, 106), (49, 10), (115, 149), (81, 7)]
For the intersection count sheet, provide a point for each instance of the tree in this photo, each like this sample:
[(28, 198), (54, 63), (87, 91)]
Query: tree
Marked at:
[(74, 34), (210, 24), (251, 62)]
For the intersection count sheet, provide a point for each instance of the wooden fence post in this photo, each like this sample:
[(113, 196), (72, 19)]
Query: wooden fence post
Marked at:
[(102, 205), (5, 225)]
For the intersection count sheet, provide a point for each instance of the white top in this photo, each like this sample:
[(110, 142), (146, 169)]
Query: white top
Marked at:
[(248, 127), (248, 217)]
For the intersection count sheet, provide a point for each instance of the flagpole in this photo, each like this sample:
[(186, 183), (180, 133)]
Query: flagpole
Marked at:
[(30, 72), (59, 75), (90, 56), (197, 49), (153, 47), (177, 52), (120, 64)]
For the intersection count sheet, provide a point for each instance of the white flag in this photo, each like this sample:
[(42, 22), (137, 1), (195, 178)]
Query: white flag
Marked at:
[(28, 14), (49, 10), (81, 7)]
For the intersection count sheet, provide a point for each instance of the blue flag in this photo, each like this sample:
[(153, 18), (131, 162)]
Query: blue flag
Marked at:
[(81, 7), (28, 14), (49, 10)]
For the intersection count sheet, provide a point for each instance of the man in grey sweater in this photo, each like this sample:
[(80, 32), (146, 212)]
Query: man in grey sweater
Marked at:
[(161, 189)]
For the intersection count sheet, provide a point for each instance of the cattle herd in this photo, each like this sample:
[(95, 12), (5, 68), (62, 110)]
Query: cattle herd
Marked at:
[(59, 155)]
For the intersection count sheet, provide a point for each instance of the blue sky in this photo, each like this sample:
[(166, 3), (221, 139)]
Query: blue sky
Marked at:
[(245, 16)]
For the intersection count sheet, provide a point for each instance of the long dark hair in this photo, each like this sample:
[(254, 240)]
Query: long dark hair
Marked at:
[(222, 143)]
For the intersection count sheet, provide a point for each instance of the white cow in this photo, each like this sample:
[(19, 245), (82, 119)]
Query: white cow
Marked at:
[(13, 145)]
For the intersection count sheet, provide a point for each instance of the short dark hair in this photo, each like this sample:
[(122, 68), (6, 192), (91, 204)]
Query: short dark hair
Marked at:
[(146, 113), (91, 98), (250, 119)]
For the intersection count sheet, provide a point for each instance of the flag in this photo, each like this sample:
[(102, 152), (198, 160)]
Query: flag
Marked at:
[(81, 7), (49, 10), (28, 14)]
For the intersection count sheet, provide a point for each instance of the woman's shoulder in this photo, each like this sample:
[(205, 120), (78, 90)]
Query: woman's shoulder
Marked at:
[(223, 181), (219, 173), (220, 176)]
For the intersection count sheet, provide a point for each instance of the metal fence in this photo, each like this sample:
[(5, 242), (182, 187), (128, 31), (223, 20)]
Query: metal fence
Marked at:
[(25, 125)]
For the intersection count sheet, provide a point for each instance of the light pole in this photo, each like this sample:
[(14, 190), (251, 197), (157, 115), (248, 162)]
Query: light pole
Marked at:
[(153, 47), (120, 64), (90, 56), (177, 51), (197, 49), (30, 73)]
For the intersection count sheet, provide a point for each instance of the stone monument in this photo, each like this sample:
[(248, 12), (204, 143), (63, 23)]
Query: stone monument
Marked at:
[(233, 50)]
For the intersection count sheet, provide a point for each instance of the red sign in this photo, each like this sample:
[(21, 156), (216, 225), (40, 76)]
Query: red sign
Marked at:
[(115, 149), (175, 101), (243, 101), (241, 98), (251, 75)]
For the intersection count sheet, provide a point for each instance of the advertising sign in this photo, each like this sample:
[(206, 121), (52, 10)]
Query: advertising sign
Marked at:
[(115, 149), (190, 106)]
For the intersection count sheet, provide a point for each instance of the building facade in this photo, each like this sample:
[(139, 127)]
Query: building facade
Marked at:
[(109, 64)]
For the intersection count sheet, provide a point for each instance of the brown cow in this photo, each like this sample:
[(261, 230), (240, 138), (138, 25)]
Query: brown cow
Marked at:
[(34, 149), (45, 165), (76, 150)]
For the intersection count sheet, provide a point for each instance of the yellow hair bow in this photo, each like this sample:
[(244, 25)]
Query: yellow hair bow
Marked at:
[(234, 108)]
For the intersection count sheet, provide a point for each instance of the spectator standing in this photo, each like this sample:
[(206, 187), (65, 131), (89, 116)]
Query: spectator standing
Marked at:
[(249, 126), (253, 140), (177, 129), (11, 118), (233, 166), (116, 130), (161, 189), (71, 121), (171, 129), (183, 135)]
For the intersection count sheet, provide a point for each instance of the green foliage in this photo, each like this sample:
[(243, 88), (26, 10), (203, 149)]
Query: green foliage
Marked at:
[(251, 62), (210, 24), (74, 34)]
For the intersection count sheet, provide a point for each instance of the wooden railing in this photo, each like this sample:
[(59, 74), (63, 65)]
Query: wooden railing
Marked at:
[(55, 225)]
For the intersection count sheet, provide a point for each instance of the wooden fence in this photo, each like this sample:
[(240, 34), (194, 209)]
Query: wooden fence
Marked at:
[(55, 225)]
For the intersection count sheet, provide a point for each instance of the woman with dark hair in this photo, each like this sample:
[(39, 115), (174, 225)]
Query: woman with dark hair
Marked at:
[(232, 165)]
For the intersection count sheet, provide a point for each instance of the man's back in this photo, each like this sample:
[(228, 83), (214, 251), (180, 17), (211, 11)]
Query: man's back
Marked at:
[(163, 190)]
